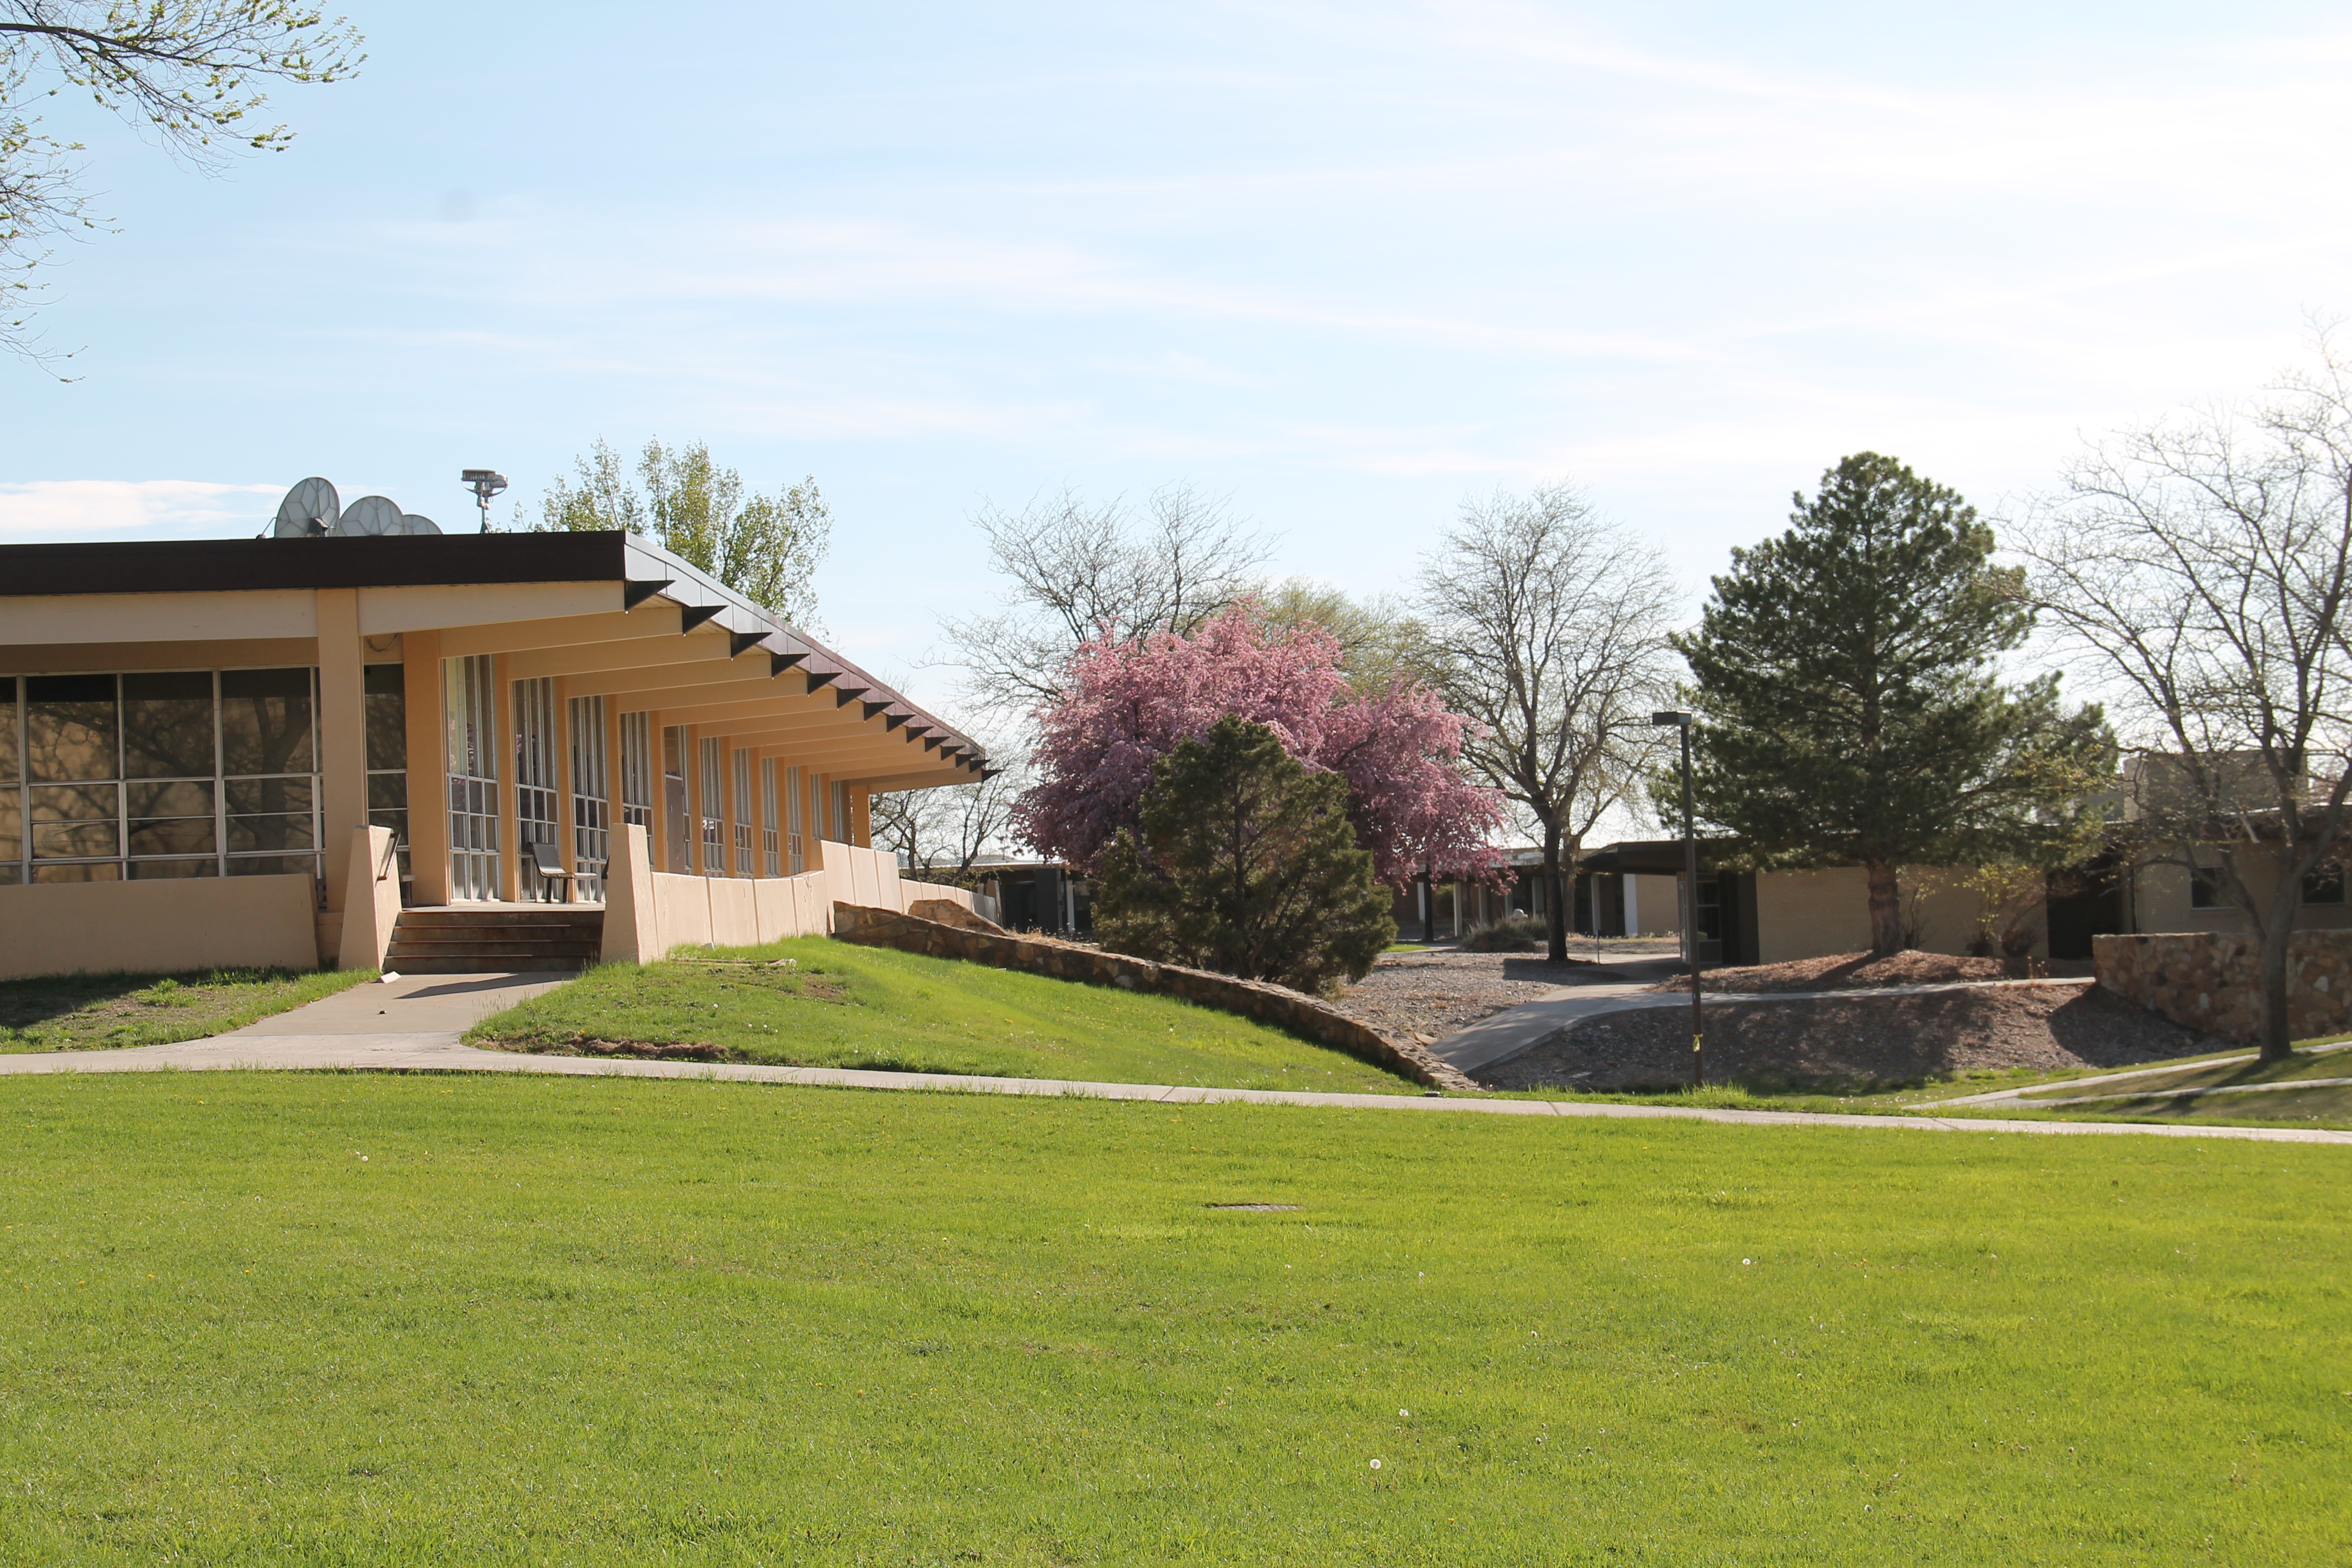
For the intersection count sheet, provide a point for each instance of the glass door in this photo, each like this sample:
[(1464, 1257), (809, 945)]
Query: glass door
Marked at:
[(470, 701)]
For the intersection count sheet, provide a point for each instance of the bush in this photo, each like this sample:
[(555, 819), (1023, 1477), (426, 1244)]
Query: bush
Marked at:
[(1512, 934), (1246, 865)]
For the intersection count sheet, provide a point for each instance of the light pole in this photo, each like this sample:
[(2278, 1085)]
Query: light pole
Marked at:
[(485, 483), (1690, 894)]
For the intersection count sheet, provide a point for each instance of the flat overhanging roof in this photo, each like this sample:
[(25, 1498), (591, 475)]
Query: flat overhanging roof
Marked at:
[(1654, 856), (606, 609)]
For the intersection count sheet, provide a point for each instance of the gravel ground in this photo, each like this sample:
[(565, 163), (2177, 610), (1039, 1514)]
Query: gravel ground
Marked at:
[(1852, 1042), (1848, 971), (1427, 995)]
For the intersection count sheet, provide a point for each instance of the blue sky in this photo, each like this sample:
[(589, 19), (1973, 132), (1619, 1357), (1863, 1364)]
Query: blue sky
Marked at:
[(1347, 264)]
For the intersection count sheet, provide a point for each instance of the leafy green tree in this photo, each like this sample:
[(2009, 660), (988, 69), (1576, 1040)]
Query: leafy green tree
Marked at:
[(1245, 864), (766, 548), (1382, 644), (1848, 708)]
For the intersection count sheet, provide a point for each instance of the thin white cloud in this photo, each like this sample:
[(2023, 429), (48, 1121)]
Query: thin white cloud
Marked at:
[(68, 509)]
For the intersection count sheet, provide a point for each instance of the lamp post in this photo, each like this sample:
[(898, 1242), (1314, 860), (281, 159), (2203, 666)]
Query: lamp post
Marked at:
[(485, 483), (1690, 894)]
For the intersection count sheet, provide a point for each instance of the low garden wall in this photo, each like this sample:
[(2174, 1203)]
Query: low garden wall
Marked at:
[(1258, 999), (159, 927), (2206, 980), (648, 912)]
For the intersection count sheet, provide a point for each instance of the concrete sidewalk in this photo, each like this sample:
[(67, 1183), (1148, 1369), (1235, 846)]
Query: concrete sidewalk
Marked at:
[(417, 1025), (440, 1051)]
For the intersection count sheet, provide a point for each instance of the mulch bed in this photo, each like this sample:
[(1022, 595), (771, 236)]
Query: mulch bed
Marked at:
[(1849, 1044)]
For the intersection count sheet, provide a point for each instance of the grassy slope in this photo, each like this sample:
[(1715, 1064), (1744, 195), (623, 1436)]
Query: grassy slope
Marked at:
[(845, 1005), (93, 1012), (2326, 1107), (595, 1320)]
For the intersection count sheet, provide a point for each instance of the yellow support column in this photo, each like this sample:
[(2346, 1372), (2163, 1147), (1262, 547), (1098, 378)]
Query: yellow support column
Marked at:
[(428, 771), (342, 734)]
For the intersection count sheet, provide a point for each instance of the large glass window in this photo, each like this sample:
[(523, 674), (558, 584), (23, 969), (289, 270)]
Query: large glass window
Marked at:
[(592, 835), (772, 850), (742, 813), (538, 799), (469, 703), (795, 823), (714, 843), (637, 769), (159, 773)]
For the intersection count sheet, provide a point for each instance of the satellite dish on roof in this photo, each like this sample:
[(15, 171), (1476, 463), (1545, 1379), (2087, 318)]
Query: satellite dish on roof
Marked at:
[(370, 516), (309, 508), (412, 524)]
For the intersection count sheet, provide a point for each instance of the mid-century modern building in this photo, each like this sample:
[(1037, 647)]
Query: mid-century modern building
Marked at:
[(195, 737)]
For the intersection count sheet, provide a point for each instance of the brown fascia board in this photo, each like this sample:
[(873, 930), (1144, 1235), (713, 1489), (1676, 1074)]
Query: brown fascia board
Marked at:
[(391, 560)]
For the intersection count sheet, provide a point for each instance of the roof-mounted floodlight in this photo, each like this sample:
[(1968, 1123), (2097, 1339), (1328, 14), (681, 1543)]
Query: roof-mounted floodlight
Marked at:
[(485, 483)]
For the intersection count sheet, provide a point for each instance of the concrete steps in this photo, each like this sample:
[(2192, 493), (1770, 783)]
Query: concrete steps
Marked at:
[(462, 941)]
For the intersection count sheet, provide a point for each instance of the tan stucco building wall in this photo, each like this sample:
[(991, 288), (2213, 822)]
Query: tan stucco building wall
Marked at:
[(1812, 914)]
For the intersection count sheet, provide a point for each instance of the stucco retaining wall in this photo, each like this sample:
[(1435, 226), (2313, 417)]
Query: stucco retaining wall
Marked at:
[(649, 912), (1268, 1003), (2206, 980), (160, 927)]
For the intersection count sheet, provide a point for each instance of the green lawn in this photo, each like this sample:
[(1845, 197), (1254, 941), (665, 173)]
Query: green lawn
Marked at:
[(95, 1012), (845, 1005), (258, 1318)]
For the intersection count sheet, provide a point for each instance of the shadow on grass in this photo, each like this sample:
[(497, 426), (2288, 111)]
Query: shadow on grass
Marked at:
[(68, 1012)]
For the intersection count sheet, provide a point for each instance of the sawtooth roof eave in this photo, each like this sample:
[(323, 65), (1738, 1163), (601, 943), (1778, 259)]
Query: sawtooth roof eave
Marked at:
[(653, 572)]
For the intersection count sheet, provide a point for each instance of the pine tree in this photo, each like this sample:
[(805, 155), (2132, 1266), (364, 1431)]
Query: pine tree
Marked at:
[(1848, 708), (1244, 863)]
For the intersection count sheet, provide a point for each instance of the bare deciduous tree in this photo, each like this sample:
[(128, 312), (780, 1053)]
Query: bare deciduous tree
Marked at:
[(1077, 567), (1549, 625), (2202, 563), (941, 833), (182, 70)]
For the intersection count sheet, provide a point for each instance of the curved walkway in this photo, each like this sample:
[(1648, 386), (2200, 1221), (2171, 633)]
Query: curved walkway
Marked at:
[(353, 1032)]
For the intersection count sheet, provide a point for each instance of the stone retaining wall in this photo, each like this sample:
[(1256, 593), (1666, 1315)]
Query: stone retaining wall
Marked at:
[(2206, 980), (1258, 999)]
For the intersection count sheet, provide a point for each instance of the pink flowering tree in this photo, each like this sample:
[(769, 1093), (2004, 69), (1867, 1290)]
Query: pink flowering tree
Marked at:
[(1126, 704)]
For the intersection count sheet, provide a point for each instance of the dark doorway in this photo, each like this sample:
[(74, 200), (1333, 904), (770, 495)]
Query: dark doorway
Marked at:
[(2085, 901)]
